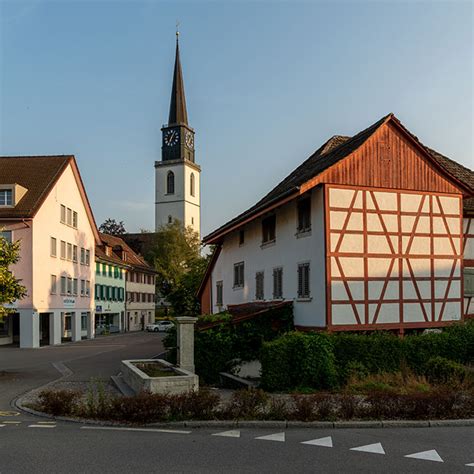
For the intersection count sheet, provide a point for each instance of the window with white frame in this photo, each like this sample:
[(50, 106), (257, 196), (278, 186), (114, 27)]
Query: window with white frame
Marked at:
[(69, 216), (6, 197), (63, 214), (53, 284), (53, 247), (304, 215), (259, 286), (63, 250), (74, 253), (63, 285), (239, 275), (83, 287), (468, 281), (88, 288), (69, 251), (83, 256), (88, 257), (278, 283), (74, 219), (303, 280), (74, 286), (69, 285), (219, 293), (269, 229)]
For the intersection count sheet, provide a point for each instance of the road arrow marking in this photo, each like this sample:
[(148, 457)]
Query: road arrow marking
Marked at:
[(376, 448), (431, 455), (228, 434), (326, 442), (273, 437)]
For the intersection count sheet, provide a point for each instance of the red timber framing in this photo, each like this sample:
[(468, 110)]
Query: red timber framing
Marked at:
[(393, 258), (468, 252)]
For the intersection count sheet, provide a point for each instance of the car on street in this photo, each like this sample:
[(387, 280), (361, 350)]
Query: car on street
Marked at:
[(160, 326)]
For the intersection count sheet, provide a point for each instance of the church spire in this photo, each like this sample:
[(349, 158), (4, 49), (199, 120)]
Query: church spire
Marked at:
[(178, 113)]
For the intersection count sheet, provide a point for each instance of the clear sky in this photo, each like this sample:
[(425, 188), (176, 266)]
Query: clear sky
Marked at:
[(266, 83)]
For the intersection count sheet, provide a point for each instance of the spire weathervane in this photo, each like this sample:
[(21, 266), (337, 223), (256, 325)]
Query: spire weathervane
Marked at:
[(177, 30)]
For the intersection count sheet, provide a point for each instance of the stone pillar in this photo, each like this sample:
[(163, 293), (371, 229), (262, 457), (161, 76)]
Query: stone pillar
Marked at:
[(55, 325), (76, 326), (186, 342), (29, 329), (91, 325)]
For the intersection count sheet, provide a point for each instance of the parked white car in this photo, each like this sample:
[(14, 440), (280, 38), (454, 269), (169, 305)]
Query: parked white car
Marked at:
[(160, 326)]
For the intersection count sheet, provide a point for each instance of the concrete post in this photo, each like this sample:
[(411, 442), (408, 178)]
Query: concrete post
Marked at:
[(29, 329), (186, 342), (91, 325), (76, 326), (55, 328)]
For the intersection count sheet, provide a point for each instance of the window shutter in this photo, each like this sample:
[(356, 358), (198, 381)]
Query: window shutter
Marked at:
[(300, 281)]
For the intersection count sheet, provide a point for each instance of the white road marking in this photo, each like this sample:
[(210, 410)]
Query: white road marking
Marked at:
[(12, 422), (273, 437), (150, 430), (41, 426), (228, 434), (1, 426), (470, 464), (375, 448), (326, 442), (46, 422), (431, 455)]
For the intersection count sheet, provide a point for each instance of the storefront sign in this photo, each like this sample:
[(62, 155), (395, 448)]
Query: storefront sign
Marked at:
[(69, 302)]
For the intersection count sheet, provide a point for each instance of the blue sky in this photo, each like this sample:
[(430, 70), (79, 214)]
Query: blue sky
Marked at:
[(266, 83)]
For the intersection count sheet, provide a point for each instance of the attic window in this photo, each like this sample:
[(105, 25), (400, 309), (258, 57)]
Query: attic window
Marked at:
[(6, 197), (269, 229)]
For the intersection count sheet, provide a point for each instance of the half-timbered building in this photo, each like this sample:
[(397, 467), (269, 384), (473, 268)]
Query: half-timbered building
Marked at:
[(367, 233)]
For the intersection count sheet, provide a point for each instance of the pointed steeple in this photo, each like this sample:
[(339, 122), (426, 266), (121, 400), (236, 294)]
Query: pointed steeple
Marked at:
[(178, 113)]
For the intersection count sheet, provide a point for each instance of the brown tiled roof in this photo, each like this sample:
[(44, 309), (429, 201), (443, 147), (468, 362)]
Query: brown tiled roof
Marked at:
[(132, 258), (37, 174), (334, 150)]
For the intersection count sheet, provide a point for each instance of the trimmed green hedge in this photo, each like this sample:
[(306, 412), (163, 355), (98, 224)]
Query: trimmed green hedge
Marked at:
[(216, 348), (319, 360)]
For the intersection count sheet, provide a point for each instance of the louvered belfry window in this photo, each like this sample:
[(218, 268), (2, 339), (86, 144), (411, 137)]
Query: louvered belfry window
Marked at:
[(277, 283), (259, 286), (303, 280)]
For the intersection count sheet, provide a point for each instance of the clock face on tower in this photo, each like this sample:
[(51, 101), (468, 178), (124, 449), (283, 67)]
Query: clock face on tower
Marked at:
[(189, 139), (171, 137)]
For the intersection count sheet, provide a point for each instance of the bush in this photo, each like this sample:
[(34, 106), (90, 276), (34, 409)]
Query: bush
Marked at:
[(298, 359), (440, 370), (247, 403), (218, 348), (58, 402)]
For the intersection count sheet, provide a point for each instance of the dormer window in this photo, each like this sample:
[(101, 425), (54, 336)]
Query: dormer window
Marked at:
[(6, 197)]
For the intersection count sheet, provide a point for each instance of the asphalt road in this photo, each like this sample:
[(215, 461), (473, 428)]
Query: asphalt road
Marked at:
[(30, 444), (74, 448)]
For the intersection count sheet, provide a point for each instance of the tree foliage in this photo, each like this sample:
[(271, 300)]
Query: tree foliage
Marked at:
[(10, 288), (175, 254), (112, 227)]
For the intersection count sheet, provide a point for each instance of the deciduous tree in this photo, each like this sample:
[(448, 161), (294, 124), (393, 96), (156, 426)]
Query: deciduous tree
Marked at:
[(112, 227)]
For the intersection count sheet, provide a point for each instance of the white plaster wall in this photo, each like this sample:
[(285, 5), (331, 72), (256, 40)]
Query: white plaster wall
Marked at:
[(139, 308), (180, 205), (287, 252), (47, 224)]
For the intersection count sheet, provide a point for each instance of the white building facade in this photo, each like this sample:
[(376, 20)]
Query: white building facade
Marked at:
[(55, 226), (366, 234)]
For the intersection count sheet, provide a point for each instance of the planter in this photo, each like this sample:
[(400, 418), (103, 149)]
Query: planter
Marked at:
[(180, 381)]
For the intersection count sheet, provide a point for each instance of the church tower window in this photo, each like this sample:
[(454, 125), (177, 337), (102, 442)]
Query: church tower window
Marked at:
[(191, 185), (170, 183)]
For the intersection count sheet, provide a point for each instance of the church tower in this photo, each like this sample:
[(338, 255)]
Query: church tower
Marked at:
[(177, 176)]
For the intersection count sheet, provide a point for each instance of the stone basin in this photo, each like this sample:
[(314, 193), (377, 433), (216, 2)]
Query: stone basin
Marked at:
[(178, 381)]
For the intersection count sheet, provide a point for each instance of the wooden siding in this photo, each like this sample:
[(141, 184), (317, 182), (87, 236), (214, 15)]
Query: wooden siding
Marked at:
[(390, 160)]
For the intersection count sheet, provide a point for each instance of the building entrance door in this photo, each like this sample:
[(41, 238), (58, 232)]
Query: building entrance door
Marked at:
[(44, 329)]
